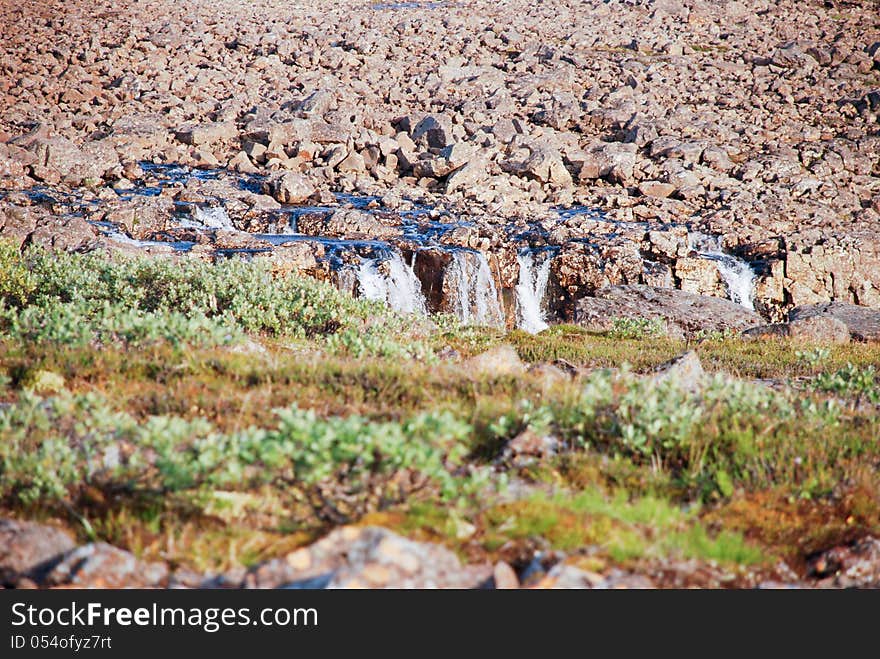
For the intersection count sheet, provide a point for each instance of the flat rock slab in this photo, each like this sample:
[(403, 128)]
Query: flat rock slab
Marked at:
[(368, 557), (863, 322), (685, 314)]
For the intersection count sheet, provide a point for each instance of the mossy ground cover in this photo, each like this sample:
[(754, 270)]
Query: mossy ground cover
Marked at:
[(217, 415)]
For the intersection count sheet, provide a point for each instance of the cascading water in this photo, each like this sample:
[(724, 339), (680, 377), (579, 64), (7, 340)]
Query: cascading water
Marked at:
[(738, 276), (214, 217), (530, 292), (371, 283), (469, 279), (400, 287)]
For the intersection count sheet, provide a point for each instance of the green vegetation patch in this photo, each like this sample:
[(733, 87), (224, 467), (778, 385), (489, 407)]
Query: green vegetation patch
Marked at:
[(74, 299)]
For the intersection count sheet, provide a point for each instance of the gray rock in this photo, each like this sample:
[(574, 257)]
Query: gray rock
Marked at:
[(368, 557), (289, 187), (863, 322), (99, 565), (685, 314), (825, 330), (30, 550), (684, 371)]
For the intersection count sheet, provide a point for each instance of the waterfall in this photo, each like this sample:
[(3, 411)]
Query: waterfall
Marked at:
[(469, 281), (738, 276), (371, 282), (398, 286), (404, 288), (214, 217), (530, 290)]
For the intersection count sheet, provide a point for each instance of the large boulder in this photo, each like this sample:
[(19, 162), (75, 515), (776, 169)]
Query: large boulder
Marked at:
[(16, 223), (863, 323), (685, 314), (141, 217), (821, 329), (289, 187)]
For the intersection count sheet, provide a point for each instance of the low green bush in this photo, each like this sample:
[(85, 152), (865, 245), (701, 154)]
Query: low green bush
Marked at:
[(850, 380), (636, 328), (342, 467), (77, 299)]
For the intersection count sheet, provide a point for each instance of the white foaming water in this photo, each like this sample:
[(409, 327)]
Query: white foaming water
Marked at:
[(119, 237), (400, 288), (214, 217), (738, 276), (371, 282), (530, 292), (476, 298)]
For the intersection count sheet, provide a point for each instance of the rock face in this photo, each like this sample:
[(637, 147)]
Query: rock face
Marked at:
[(368, 557), (863, 323), (685, 314)]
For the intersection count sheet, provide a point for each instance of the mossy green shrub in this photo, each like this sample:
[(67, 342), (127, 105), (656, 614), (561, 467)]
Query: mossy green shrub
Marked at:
[(50, 448), (75, 299), (725, 435), (850, 380), (636, 328), (16, 281)]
